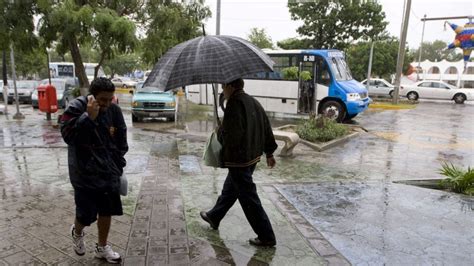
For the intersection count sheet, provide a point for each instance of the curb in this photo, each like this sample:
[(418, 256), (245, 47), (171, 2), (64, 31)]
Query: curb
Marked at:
[(330, 144)]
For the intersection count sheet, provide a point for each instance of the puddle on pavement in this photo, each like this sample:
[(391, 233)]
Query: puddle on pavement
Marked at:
[(385, 223)]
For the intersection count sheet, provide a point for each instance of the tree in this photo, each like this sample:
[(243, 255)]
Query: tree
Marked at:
[(294, 43), (260, 38), (105, 25), (121, 64), (436, 51), (168, 23), (17, 30), (384, 59), (337, 24)]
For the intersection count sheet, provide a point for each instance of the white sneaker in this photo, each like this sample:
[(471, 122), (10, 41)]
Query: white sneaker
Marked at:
[(107, 253), (78, 241)]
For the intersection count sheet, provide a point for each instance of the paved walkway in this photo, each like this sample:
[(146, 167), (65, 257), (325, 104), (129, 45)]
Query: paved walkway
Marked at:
[(162, 225)]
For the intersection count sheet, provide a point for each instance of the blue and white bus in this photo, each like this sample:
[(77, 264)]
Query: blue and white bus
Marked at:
[(329, 88)]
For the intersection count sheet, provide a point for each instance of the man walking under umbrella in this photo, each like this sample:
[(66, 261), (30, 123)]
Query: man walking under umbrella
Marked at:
[(245, 135)]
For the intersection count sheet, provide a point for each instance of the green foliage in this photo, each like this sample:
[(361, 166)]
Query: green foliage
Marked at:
[(294, 43), (337, 24), (17, 25), (321, 129), (305, 75), (458, 180), (260, 38), (76, 92), (103, 25), (168, 23), (384, 60), (121, 64), (436, 51), (290, 73)]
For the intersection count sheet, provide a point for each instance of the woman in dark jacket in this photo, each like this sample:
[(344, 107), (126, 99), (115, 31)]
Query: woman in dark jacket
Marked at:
[(245, 135)]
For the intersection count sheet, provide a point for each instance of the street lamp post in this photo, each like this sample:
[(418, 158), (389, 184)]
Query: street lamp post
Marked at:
[(18, 115), (5, 81), (421, 48), (401, 51), (369, 69)]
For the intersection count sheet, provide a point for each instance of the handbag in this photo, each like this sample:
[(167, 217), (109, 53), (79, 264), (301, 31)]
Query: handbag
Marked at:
[(123, 185), (212, 153)]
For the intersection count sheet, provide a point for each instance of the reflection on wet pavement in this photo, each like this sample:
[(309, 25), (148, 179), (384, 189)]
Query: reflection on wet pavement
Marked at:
[(384, 223), (345, 193)]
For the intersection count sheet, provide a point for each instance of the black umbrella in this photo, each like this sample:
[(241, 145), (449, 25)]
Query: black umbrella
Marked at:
[(208, 59)]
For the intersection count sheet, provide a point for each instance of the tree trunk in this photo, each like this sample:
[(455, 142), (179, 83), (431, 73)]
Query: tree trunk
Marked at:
[(101, 61), (78, 65)]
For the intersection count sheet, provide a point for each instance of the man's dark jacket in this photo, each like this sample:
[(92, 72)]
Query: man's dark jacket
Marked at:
[(96, 149), (245, 132)]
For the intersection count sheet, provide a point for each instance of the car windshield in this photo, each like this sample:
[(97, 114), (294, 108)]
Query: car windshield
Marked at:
[(340, 68), (59, 85), (150, 90), (25, 85)]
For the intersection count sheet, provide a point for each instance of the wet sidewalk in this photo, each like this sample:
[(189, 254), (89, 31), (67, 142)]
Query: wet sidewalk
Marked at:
[(334, 207), (161, 224)]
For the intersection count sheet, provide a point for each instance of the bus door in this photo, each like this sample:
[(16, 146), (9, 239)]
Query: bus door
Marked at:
[(306, 85), (322, 81)]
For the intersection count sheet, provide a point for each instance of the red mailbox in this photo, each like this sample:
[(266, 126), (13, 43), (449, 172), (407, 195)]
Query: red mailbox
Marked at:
[(47, 100)]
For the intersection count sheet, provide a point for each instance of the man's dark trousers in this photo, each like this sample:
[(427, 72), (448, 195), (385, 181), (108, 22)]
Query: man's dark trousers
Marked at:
[(239, 185)]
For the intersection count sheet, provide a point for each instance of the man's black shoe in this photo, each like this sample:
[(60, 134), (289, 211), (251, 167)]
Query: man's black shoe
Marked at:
[(206, 218), (262, 243)]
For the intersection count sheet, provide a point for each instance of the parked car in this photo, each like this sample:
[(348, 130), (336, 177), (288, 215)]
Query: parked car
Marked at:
[(24, 89), (1, 88), (379, 87), (63, 87), (150, 102), (435, 89), (124, 82)]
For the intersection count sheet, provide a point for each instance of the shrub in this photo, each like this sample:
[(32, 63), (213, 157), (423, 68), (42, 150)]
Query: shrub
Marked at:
[(321, 129), (305, 75), (76, 92), (458, 180), (290, 73)]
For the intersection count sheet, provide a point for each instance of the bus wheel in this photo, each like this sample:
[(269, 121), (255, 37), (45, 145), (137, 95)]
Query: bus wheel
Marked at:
[(333, 110)]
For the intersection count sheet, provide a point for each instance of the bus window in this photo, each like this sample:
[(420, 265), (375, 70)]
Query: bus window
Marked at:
[(322, 72), (340, 69), (281, 62)]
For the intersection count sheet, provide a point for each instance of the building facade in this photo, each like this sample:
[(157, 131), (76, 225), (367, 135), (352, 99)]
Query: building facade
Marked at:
[(449, 72)]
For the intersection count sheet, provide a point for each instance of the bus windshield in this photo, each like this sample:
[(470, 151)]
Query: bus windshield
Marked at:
[(340, 68)]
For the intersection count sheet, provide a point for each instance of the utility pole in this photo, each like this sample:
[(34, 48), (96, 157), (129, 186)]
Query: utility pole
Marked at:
[(215, 88), (5, 81), (421, 49), (401, 52), (369, 70), (18, 115)]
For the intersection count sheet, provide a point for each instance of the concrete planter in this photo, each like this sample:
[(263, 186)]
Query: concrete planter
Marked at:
[(322, 146)]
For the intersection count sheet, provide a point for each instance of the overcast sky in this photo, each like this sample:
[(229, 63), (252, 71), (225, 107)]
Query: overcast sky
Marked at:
[(239, 16)]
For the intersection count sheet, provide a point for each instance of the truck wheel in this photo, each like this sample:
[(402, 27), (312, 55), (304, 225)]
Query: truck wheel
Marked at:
[(412, 96), (333, 110), (459, 98)]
